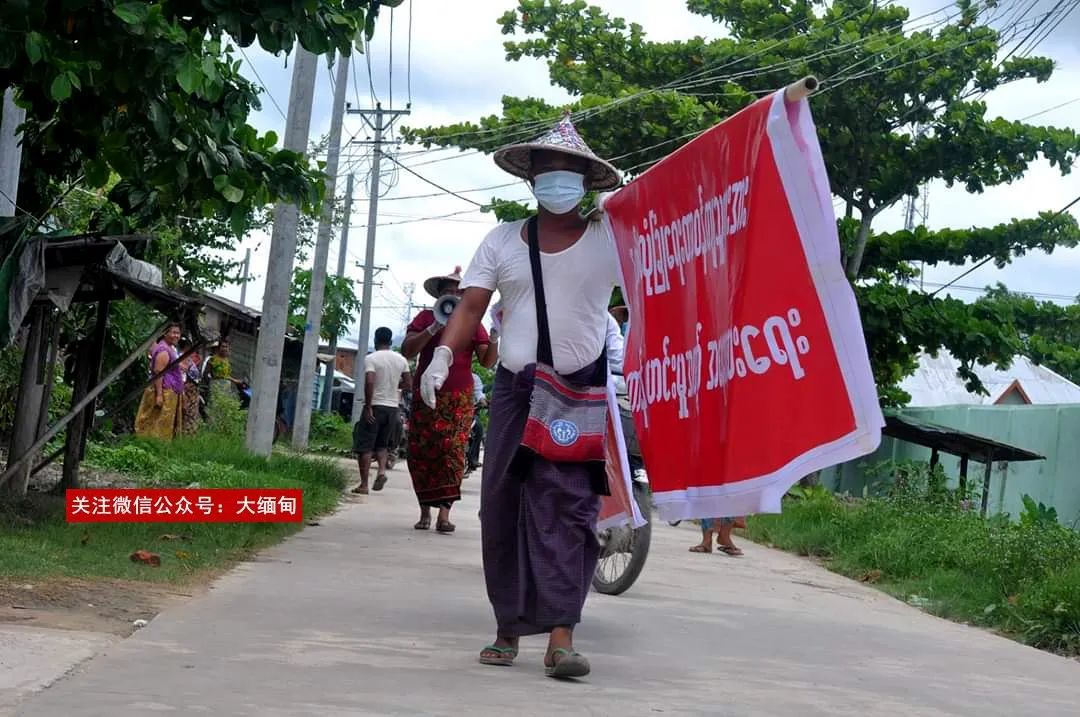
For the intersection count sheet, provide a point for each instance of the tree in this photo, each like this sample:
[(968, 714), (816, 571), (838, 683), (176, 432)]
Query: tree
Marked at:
[(152, 92), (910, 111), (1049, 334), (339, 305)]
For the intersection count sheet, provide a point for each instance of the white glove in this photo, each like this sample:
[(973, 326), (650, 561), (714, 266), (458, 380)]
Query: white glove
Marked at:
[(435, 375)]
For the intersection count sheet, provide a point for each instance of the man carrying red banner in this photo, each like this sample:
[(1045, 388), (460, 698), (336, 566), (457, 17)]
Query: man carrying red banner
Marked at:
[(538, 516)]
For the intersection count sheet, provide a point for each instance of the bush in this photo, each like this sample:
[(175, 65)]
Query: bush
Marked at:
[(224, 417), (331, 433), (920, 543)]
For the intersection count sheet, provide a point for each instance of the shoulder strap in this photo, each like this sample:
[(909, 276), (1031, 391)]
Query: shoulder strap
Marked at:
[(543, 348)]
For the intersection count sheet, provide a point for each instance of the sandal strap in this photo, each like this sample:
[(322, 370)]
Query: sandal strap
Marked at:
[(500, 650)]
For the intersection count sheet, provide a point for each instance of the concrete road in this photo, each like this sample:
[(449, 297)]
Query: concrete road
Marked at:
[(365, 616)]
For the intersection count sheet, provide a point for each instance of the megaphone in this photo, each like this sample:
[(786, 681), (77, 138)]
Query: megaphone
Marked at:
[(444, 307)]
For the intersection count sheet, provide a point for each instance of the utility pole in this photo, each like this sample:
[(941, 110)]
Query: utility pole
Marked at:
[(343, 248), (262, 413), (378, 127), (10, 152), (247, 274), (309, 362)]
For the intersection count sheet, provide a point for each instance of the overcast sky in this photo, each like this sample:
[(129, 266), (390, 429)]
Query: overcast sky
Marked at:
[(459, 73)]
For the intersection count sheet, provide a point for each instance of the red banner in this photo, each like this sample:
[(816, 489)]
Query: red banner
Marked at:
[(745, 362), (185, 505)]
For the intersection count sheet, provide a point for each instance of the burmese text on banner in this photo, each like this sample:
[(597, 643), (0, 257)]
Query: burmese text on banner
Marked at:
[(746, 354)]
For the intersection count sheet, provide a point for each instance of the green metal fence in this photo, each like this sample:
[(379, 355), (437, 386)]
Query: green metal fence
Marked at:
[(1052, 431)]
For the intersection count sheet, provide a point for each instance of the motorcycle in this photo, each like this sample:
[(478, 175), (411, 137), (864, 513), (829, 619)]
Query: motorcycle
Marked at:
[(476, 441), (624, 549)]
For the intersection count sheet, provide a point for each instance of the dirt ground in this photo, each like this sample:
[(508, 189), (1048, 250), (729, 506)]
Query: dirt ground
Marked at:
[(106, 606)]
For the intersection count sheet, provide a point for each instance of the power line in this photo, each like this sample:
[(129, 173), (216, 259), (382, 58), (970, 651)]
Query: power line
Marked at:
[(988, 259), (262, 84), (434, 184), (371, 79), (356, 82), (460, 191), (1049, 109)]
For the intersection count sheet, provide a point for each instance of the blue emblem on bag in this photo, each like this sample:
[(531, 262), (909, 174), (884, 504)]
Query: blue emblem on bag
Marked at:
[(564, 432)]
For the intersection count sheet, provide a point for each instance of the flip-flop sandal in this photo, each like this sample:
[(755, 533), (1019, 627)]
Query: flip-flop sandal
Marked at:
[(360, 490), (445, 526), (732, 551), (504, 656), (380, 481), (423, 524), (700, 549), (571, 665)]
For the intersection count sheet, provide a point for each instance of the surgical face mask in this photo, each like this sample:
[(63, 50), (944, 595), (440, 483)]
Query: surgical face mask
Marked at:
[(560, 191)]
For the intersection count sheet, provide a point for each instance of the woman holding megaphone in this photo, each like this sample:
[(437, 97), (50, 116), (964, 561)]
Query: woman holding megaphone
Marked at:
[(439, 436)]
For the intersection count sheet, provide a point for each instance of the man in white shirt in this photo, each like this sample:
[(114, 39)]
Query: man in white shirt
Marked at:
[(385, 372), (538, 517)]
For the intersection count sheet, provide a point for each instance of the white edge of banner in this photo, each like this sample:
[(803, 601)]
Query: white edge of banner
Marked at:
[(636, 520)]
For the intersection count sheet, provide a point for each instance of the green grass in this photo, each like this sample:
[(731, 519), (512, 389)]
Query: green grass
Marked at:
[(330, 433), (1021, 579), (36, 542)]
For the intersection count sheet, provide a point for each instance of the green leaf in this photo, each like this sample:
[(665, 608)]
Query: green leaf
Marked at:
[(221, 181), (133, 13), (232, 194), (61, 88), (97, 173), (34, 49), (190, 74), (74, 80), (160, 119), (179, 145)]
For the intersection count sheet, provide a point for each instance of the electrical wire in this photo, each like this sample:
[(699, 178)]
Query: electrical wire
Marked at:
[(1049, 109), (988, 259), (263, 84), (371, 79), (432, 183), (356, 82), (460, 191)]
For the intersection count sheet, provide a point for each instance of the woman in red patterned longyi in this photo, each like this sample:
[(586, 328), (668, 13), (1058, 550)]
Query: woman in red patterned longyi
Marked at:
[(439, 437)]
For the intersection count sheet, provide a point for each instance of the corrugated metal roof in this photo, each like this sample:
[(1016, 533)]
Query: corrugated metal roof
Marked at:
[(936, 383)]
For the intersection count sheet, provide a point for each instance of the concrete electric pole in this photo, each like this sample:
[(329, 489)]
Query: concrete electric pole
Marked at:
[(262, 413), (305, 387), (10, 152), (343, 248), (380, 117)]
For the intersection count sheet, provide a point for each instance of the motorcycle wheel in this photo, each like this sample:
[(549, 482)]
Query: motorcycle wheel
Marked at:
[(623, 556)]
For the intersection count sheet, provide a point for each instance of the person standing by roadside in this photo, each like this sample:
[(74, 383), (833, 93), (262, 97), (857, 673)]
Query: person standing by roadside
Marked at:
[(385, 372), (555, 274), (160, 413), (191, 399), (721, 528), (439, 432), (476, 438)]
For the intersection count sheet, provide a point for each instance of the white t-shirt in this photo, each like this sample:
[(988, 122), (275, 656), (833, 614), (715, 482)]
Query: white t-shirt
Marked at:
[(616, 345), (577, 286), (388, 366)]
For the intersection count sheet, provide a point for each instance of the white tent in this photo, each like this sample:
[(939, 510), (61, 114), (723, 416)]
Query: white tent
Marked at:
[(936, 383)]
